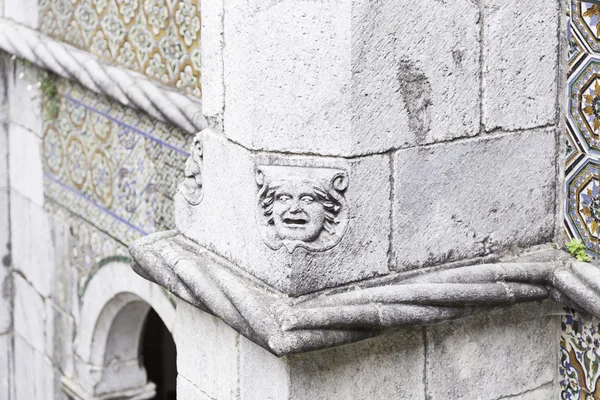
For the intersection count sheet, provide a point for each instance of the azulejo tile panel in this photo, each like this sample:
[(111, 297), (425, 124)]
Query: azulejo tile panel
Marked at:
[(580, 344), (580, 357), (111, 165), (158, 38)]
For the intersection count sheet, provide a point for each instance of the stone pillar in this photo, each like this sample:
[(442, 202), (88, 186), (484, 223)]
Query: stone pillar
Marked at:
[(411, 100), (360, 154), (495, 355), (6, 337)]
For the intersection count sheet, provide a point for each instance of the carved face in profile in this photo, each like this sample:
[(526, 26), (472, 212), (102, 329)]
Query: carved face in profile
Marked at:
[(297, 212), (302, 207)]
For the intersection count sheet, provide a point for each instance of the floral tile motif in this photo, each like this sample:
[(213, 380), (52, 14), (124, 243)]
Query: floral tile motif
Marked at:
[(580, 342), (580, 357), (158, 38), (111, 165), (585, 18), (584, 103)]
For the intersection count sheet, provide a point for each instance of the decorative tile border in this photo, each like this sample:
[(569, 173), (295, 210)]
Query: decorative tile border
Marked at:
[(580, 357), (580, 342), (112, 165), (158, 38)]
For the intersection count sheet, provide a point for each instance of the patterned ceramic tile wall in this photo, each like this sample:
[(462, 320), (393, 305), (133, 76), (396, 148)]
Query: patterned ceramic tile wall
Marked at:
[(580, 357), (111, 165), (159, 38), (580, 345)]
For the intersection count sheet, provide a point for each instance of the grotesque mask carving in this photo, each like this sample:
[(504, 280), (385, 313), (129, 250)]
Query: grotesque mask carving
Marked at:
[(191, 187), (302, 207)]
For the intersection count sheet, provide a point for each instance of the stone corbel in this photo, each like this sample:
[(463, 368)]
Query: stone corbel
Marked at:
[(329, 317)]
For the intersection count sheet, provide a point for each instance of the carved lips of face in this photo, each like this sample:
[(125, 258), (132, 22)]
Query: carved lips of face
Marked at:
[(297, 213)]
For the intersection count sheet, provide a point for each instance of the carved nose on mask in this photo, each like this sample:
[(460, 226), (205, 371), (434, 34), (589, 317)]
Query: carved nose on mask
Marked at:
[(295, 207)]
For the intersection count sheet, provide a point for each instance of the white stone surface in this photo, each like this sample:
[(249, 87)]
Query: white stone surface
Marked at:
[(549, 391), (467, 199), (22, 11), (387, 367), (32, 247), (288, 75), (5, 264), (60, 330), (29, 314), (187, 391), (495, 354), (65, 291), (6, 366), (24, 97), (350, 77), (3, 150), (520, 63), (226, 220), (213, 86), (207, 352), (261, 374), (25, 164), (34, 374), (415, 68)]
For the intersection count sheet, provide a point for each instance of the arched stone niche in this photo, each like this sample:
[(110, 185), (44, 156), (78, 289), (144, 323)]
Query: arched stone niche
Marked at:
[(107, 344)]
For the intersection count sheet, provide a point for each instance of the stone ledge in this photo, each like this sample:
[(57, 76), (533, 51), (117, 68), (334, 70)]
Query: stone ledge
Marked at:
[(286, 325)]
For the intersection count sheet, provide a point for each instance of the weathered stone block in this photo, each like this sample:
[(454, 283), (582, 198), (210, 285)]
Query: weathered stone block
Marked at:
[(5, 264), (520, 69), (387, 367), (415, 72), (29, 314), (288, 77), (25, 164), (6, 362), (35, 377), (550, 391), (262, 375), (32, 248), (3, 150), (350, 77), (5, 267), (22, 11), (25, 107), (209, 353), (468, 199), (65, 291), (498, 353), (187, 391), (213, 86), (60, 331), (233, 216)]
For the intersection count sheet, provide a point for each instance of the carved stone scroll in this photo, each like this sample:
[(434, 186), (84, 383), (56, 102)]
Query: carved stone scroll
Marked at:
[(301, 207)]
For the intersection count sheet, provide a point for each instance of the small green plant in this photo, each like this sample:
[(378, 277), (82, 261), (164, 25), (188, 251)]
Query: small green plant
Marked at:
[(577, 250), (50, 92)]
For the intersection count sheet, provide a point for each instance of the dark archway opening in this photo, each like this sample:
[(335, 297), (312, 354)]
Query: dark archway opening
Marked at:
[(159, 356)]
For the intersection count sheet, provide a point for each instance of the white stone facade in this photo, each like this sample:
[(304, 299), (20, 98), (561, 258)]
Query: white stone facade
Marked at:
[(446, 120)]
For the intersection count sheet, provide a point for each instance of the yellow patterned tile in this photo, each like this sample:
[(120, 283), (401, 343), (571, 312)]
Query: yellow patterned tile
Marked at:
[(159, 38)]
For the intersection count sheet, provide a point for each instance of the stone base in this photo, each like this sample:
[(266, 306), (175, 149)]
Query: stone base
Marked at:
[(496, 354)]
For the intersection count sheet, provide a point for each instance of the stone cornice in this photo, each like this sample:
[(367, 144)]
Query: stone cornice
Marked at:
[(129, 88), (286, 325)]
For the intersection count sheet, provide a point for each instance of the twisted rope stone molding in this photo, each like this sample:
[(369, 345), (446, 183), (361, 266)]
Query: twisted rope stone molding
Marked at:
[(129, 88), (286, 325)]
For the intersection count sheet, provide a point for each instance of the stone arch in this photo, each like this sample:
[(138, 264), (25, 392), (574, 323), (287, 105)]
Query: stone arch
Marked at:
[(112, 314)]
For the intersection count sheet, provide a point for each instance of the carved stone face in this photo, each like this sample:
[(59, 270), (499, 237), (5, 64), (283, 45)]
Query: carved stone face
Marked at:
[(297, 212), (301, 207)]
